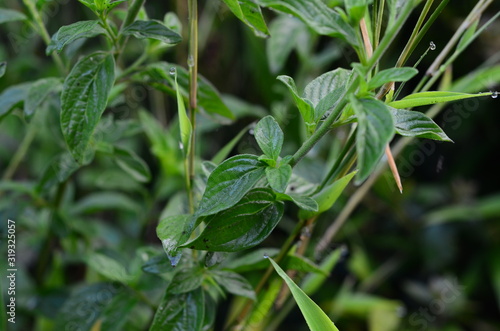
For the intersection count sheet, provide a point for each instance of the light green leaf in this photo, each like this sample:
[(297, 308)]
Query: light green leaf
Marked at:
[(356, 9), (9, 15), (132, 164), (184, 311), (12, 97), (375, 131), (328, 196), (72, 32), (316, 318), (3, 66), (269, 137), (171, 21), (391, 75), (186, 280), (325, 91), (430, 98), (478, 80), (244, 225), (37, 93), (84, 98), (286, 33), (173, 231), (302, 201), (317, 15), (250, 14), (234, 283), (108, 267), (186, 127), (415, 124), (229, 182), (100, 201), (278, 178), (305, 106), (152, 29)]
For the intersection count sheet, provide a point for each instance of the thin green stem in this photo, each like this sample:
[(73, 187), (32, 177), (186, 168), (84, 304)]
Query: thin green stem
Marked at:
[(39, 26), (20, 152), (193, 78), (379, 7)]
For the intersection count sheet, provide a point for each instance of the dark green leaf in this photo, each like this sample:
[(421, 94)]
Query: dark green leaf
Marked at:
[(37, 93), (9, 15), (317, 15), (132, 164), (12, 97), (327, 196), (234, 283), (278, 178), (229, 182), (375, 130), (85, 306), (113, 4), (302, 201), (305, 106), (242, 226), (269, 137), (108, 267), (173, 231), (186, 280), (250, 14), (286, 33), (58, 171), (113, 316), (72, 32), (180, 312), (391, 75), (84, 98), (152, 29), (158, 264), (415, 124)]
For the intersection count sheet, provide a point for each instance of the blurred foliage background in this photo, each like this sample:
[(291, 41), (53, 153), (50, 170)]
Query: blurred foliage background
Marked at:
[(432, 254)]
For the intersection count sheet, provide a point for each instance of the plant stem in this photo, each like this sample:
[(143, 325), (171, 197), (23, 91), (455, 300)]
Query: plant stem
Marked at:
[(20, 152), (39, 26), (193, 77)]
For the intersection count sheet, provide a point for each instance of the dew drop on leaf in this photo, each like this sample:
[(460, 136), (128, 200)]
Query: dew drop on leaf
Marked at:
[(432, 46), (172, 71), (494, 95), (266, 256), (190, 61)]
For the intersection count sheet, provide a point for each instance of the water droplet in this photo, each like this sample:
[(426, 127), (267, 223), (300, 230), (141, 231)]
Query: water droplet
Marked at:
[(172, 71), (432, 46), (266, 256), (251, 132), (181, 146), (172, 254), (190, 61), (91, 59), (494, 95)]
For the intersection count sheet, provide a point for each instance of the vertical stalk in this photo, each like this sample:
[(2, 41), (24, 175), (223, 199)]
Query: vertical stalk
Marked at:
[(193, 77)]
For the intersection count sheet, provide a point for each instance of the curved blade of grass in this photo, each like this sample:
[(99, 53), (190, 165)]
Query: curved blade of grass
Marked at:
[(316, 318), (430, 98)]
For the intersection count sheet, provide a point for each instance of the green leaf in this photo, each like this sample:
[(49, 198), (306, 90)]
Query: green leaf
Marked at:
[(317, 15), (152, 29), (313, 282), (108, 267), (415, 124), (186, 127), (180, 312), (251, 261), (242, 226), (112, 316), (234, 283), (305, 106), (375, 131), (430, 98), (69, 33), (391, 75), (229, 182), (12, 97), (286, 34), (84, 98), (172, 22), (3, 66), (327, 196), (467, 36), (316, 318), (478, 80), (324, 91), (9, 15), (302, 201), (269, 137), (208, 97), (59, 169), (278, 178), (173, 231), (37, 93), (100, 201), (356, 9), (132, 164), (250, 14), (224, 151), (186, 280)]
